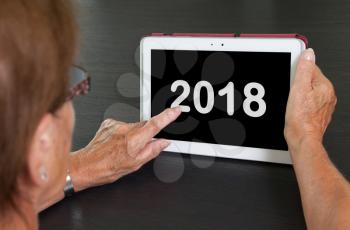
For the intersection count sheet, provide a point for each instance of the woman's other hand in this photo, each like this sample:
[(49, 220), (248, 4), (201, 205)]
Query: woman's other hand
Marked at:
[(310, 105), (118, 149)]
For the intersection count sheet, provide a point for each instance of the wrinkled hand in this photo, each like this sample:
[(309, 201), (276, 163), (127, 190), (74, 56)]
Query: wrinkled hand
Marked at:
[(119, 149), (310, 105)]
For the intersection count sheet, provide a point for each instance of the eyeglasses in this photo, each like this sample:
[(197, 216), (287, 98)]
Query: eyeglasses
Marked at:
[(80, 82)]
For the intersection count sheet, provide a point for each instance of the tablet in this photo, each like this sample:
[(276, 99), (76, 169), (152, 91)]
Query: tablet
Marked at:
[(233, 91)]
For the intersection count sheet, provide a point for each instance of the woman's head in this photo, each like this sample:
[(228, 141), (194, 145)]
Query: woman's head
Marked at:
[(37, 46)]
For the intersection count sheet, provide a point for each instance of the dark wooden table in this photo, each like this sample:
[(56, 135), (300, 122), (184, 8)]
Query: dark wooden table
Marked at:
[(205, 193)]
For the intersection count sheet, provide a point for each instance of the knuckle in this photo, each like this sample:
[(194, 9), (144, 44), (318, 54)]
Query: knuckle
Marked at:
[(154, 125), (136, 167), (335, 100), (111, 180), (326, 90), (330, 85), (334, 96), (330, 95), (287, 128), (169, 113), (157, 149), (130, 146), (139, 124), (112, 122), (331, 92), (286, 132), (108, 121)]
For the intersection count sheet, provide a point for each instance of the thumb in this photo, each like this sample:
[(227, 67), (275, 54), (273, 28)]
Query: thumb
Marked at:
[(305, 69)]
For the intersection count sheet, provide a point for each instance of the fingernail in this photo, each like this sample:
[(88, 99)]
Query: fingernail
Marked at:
[(165, 143), (309, 55)]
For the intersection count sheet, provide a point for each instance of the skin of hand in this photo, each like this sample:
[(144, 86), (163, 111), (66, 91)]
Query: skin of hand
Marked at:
[(325, 193), (118, 149), (311, 103)]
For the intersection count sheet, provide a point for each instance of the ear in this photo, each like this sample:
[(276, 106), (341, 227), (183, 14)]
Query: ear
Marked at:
[(41, 148)]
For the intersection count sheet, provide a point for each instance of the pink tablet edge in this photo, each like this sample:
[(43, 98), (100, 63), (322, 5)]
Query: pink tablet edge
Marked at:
[(194, 34), (297, 36)]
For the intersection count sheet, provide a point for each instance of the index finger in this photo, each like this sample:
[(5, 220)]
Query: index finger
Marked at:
[(159, 122), (138, 138)]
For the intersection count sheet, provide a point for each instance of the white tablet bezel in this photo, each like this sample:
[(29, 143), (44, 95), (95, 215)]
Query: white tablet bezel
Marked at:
[(290, 45)]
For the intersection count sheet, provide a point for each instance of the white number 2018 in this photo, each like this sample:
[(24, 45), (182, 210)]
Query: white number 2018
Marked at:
[(210, 97), (228, 90), (182, 96), (254, 98)]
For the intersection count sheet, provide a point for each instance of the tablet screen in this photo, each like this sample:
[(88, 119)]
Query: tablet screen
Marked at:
[(229, 98)]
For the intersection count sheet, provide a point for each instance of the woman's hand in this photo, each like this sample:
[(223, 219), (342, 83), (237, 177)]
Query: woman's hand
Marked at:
[(310, 105), (325, 193), (119, 149)]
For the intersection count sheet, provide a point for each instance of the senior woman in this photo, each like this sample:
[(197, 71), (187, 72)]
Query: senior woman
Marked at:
[(37, 48)]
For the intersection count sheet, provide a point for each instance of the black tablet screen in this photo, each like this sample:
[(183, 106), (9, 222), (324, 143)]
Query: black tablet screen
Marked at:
[(230, 98)]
